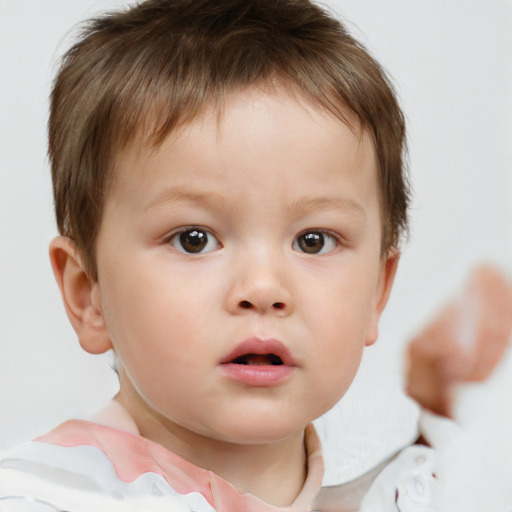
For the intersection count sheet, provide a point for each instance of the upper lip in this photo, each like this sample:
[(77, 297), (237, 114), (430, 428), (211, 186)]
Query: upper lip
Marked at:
[(260, 346)]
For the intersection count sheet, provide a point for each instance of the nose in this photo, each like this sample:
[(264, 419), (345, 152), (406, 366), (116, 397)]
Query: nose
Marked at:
[(260, 287)]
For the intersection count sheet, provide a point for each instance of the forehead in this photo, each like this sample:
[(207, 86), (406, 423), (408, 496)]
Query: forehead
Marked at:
[(276, 139)]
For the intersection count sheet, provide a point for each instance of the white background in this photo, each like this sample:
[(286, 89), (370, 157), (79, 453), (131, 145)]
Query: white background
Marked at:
[(451, 61)]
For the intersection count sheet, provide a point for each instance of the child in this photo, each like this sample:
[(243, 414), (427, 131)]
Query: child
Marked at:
[(229, 187)]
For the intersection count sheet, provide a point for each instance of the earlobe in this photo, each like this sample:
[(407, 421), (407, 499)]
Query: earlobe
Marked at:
[(80, 296), (387, 275)]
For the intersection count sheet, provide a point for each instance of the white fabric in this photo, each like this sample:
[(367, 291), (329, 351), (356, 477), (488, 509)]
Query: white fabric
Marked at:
[(82, 479)]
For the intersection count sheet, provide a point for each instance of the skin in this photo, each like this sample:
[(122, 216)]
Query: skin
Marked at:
[(273, 168), (463, 343)]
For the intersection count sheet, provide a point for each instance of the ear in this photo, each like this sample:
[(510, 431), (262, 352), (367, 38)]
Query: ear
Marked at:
[(81, 296), (387, 273)]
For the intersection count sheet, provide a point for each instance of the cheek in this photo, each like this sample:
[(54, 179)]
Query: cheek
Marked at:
[(342, 305), (158, 332), (149, 314), (338, 348), (335, 362), (338, 317)]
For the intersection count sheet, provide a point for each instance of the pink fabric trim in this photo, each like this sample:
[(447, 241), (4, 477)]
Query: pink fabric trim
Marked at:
[(133, 455)]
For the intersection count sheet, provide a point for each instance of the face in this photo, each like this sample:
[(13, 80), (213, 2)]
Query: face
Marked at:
[(239, 268)]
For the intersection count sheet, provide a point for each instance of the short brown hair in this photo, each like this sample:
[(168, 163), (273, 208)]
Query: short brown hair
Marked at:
[(146, 70)]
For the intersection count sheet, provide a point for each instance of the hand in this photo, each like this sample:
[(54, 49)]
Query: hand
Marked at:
[(463, 343)]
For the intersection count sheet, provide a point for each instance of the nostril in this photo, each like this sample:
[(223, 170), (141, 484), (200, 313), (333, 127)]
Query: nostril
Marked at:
[(245, 304), (278, 305)]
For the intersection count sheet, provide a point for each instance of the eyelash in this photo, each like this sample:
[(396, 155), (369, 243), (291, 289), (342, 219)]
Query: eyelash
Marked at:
[(304, 242), (327, 237), (176, 238)]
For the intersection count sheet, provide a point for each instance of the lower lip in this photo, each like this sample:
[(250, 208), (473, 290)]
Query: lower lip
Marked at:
[(261, 375)]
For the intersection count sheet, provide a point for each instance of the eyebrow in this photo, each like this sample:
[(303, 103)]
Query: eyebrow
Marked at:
[(176, 194), (308, 204), (302, 205)]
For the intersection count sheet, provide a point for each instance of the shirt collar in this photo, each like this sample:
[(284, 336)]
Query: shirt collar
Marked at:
[(133, 455)]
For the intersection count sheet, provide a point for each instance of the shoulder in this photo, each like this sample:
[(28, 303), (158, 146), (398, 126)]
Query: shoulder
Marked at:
[(406, 484), (43, 476)]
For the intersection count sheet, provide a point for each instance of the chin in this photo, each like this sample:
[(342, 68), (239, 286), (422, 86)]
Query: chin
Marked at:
[(258, 429)]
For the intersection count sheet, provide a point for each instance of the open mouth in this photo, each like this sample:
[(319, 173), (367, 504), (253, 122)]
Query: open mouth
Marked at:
[(259, 352), (258, 359), (258, 362)]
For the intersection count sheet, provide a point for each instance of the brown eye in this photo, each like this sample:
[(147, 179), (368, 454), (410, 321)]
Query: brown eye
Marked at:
[(315, 242), (194, 241)]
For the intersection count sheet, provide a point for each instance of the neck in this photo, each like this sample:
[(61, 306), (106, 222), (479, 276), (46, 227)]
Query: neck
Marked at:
[(253, 468)]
